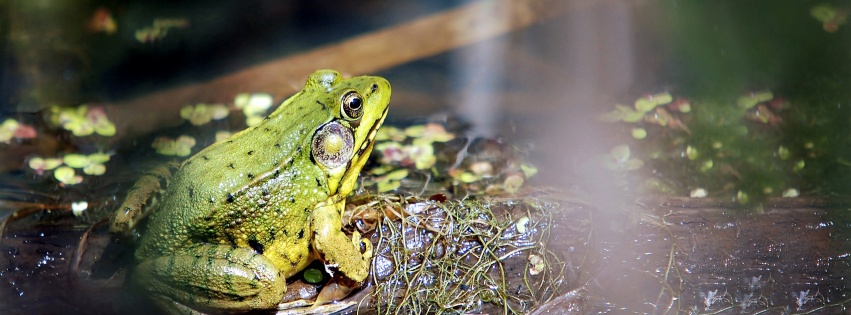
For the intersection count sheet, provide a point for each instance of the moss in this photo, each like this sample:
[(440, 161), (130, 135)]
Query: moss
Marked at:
[(467, 257)]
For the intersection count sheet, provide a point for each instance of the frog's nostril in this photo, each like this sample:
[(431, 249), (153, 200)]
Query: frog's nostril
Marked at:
[(374, 87)]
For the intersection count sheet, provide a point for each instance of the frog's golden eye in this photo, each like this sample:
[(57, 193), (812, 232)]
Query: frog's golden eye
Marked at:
[(352, 105), (332, 145)]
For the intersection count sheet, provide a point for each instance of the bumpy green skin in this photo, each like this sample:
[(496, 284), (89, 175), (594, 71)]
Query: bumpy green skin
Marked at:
[(242, 215)]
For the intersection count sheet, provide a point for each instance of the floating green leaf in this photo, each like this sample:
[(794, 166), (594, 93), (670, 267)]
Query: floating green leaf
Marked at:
[(823, 12), (783, 153), (763, 96), (742, 197), (663, 98), (747, 101), (67, 176), (609, 117), (799, 165), (644, 105), (639, 133), (618, 160), (182, 146), (94, 169), (41, 164), (706, 166), (76, 160), (7, 129), (397, 174), (536, 264), (633, 117), (196, 114), (528, 170), (632, 164), (620, 153), (390, 133), (387, 186), (691, 153)]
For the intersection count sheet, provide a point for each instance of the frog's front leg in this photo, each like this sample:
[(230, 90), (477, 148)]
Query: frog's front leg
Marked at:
[(211, 278), (336, 247)]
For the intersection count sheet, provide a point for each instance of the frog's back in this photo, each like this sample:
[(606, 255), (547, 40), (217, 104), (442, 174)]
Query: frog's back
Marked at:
[(206, 186)]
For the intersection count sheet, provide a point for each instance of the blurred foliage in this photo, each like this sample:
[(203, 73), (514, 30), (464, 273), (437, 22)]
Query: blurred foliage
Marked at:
[(768, 98), (772, 147), (725, 47)]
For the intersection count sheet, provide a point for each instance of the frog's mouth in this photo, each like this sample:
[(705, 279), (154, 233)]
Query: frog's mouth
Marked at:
[(367, 145), (360, 156)]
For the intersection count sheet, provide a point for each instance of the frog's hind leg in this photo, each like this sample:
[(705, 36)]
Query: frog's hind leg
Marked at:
[(211, 278)]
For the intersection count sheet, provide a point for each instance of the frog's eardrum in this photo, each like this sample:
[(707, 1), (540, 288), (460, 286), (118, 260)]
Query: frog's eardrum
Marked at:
[(332, 145)]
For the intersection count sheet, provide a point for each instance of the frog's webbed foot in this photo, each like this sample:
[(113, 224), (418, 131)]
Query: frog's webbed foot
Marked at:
[(336, 248)]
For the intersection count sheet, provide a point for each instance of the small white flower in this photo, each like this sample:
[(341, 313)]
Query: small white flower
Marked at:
[(698, 193), (790, 193), (521, 225), (78, 207)]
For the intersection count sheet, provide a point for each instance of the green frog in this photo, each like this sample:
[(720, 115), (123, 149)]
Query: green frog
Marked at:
[(244, 214)]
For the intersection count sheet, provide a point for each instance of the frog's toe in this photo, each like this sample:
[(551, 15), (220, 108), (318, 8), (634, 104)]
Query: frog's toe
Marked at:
[(356, 239), (367, 253), (367, 244)]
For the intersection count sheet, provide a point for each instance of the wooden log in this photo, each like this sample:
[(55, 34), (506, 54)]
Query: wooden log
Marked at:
[(682, 256), (697, 256), (368, 53)]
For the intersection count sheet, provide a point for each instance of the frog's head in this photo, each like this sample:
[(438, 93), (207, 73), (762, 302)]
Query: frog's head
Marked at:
[(342, 145)]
